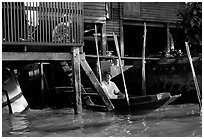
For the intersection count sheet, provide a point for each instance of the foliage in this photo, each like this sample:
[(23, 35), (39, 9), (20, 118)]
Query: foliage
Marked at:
[(192, 22)]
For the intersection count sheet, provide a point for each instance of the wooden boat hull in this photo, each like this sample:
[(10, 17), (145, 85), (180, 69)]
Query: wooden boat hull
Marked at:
[(142, 103), (12, 97), (138, 104)]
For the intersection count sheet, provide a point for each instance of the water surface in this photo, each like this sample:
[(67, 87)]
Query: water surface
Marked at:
[(168, 121)]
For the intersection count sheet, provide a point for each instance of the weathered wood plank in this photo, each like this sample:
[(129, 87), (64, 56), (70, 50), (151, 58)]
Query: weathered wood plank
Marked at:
[(96, 83), (89, 19), (32, 56), (94, 3), (123, 58), (77, 80), (94, 7), (113, 25)]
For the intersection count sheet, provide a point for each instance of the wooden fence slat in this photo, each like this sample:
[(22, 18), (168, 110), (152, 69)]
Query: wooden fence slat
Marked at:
[(34, 22)]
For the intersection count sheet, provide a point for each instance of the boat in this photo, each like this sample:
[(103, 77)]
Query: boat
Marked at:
[(171, 75), (12, 97), (137, 104), (144, 103)]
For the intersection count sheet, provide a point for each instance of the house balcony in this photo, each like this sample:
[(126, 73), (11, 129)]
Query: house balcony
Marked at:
[(41, 25)]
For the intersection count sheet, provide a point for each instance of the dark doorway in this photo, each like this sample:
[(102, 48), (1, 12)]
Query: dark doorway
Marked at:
[(133, 39)]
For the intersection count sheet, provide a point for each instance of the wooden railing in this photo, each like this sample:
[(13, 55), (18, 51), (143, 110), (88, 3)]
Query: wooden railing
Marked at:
[(42, 23)]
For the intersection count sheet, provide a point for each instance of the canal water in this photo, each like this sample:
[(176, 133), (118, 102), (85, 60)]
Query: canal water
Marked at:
[(169, 121)]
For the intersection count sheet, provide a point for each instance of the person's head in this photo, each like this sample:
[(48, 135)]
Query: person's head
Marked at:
[(107, 76)]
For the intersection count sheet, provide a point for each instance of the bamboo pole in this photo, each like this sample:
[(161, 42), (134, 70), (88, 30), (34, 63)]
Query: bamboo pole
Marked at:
[(98, 61), (143, 62), (121, 69), (194, 75)]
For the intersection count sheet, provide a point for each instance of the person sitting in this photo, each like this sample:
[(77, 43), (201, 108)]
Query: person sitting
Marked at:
[(110, 87)]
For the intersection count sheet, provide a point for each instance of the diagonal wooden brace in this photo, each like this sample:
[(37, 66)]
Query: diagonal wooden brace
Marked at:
[(96, 83)]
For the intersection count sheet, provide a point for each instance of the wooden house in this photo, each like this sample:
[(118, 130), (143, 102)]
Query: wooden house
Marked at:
[(37, 33)]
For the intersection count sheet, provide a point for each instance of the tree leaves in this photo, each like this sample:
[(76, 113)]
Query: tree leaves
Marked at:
[(192, 22)]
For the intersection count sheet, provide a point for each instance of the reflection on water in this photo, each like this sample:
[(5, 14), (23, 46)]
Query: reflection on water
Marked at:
[(19, 125), (169, 121)]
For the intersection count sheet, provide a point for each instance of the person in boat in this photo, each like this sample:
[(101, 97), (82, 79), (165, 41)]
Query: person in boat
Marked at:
[(110, 87)]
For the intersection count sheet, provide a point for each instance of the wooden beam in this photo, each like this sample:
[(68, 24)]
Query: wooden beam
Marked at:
[(32, 56), (122, 50), (167, 38), (77, 80), (96, 83), (121, 39), (124, 58), (104, 40), (97, 52)]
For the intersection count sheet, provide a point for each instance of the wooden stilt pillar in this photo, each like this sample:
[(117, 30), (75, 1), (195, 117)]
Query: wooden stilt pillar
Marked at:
[(104, 40), (42, 84), (122, 41), (167, 38), (77, 80), (143, 61)]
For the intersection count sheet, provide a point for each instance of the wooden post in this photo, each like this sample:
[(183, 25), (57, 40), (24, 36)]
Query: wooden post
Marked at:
[(143, 61), (76, 80), (168, 41), (121, 69), (97, 52), (96, 83), (104, 40), (122, 41), (42, 84), (194, 75)]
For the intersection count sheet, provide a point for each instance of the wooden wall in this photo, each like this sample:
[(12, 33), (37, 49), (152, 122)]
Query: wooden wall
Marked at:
[(113, 24), (152, 11), (158, 12), (94, 12)]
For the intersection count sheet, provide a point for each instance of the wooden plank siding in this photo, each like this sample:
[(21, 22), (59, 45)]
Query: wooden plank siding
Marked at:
[(94, 12), (160, 11), (153, 11), (113, 25)]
